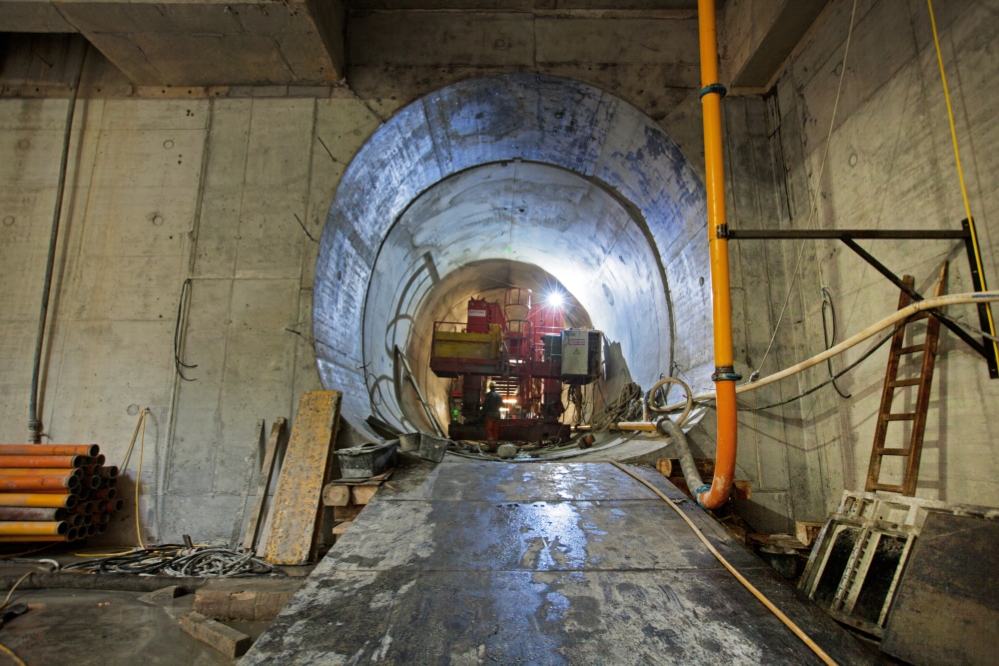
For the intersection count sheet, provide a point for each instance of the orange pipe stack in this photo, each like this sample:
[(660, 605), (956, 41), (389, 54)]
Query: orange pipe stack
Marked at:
[(55, 492)]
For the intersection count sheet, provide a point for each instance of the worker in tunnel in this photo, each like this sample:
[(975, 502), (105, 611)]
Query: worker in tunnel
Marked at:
[(491, 410)]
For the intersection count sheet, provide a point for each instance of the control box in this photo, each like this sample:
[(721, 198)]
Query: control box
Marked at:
[(582, 355)]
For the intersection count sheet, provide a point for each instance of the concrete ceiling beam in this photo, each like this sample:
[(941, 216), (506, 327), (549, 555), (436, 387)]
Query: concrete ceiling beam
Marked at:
[(759, 35), (273, 42)]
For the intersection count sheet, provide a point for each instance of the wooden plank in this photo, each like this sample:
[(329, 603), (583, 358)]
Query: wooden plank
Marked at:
[(336, 495), (225, 639), (340, 528), (246, 599), (665, 467), (807, 531), (344, 513), (705, 467), (264, 482), (306, 469), (361, 495)]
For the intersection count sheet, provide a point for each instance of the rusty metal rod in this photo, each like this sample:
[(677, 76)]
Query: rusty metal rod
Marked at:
[(100, 459), (32, 513), (91, 482), (37, 538), (109, 472), (84, 508), (33, 527), (119, 504), (91, 530), (40, 471), (34, 483), (88, 450), (38, 499), (56, 462), (106, 493)]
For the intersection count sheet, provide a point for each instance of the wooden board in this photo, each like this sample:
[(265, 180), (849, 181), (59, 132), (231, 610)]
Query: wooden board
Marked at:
[(361, 495), (264, 482), (297, 503), (947, 608), (336, 495)]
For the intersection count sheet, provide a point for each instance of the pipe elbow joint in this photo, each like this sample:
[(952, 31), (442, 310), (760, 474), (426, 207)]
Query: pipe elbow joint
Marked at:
[(700, 492)]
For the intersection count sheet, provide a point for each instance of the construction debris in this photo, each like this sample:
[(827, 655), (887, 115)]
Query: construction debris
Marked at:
[(225, 639), (162, 596), (244, 599), (424, 446)]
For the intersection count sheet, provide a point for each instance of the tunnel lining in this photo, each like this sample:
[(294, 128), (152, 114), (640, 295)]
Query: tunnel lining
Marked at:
[(545, 119)]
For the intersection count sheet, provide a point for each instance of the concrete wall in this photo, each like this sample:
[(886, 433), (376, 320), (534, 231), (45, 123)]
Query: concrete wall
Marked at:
[(159, 192), (890, 165)]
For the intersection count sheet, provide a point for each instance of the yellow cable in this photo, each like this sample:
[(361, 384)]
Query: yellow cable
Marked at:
[(10, 653), (7, 600), (960, 171), (6, 650), (138, 478), (139, 425), (819, 652)]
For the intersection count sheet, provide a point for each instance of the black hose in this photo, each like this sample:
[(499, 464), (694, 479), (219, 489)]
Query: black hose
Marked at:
[(80, 581), (830, 341), (34, 425)]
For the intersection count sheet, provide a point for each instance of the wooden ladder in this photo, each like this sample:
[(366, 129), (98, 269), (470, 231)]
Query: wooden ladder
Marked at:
[(918, 417)]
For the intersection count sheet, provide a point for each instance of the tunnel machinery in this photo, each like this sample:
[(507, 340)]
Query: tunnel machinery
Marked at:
[(523, 346)]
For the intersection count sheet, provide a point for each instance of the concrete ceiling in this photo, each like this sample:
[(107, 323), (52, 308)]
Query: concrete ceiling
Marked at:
[(181, 43)]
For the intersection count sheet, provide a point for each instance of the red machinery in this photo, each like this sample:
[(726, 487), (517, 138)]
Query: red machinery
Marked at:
[(519, 347)]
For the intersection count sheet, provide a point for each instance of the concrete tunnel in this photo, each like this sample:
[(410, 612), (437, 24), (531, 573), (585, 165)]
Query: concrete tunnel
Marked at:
[(515, 180)]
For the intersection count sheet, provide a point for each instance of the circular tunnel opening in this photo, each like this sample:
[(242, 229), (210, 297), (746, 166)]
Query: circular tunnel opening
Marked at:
[(525, 181), (511, 225)]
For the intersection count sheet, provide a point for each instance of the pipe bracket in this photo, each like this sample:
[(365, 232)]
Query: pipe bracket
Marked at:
[(713, 88), (725, 373)]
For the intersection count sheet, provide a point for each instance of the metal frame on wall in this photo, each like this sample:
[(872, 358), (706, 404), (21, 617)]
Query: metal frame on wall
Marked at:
[(987, 348)]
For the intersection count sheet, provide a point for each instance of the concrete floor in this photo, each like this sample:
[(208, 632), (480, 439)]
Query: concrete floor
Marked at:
[(538, 563), (84, 627)]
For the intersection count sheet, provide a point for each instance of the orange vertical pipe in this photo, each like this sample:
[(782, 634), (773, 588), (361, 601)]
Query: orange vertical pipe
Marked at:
[(717, 493)]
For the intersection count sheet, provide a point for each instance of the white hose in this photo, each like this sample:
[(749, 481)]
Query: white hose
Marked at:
[(672, 380), (891, 320)]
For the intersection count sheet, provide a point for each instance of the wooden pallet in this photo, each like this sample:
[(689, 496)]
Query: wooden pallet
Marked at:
[(928, 349)]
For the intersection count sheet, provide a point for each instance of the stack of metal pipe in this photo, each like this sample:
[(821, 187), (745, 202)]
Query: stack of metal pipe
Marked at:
[(55, 492)]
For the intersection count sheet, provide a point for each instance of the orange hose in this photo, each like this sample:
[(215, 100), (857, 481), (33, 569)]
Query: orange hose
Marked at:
[(89, 450), (38, 499), (59, 462), (714, 166), (33, 527), (35, 483)]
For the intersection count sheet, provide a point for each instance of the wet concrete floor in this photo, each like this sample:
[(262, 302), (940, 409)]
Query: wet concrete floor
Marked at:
[(539, 563), (107, 628)]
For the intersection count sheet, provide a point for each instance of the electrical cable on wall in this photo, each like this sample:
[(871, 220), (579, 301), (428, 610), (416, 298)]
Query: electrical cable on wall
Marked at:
[(830, 340), (185, 298)]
